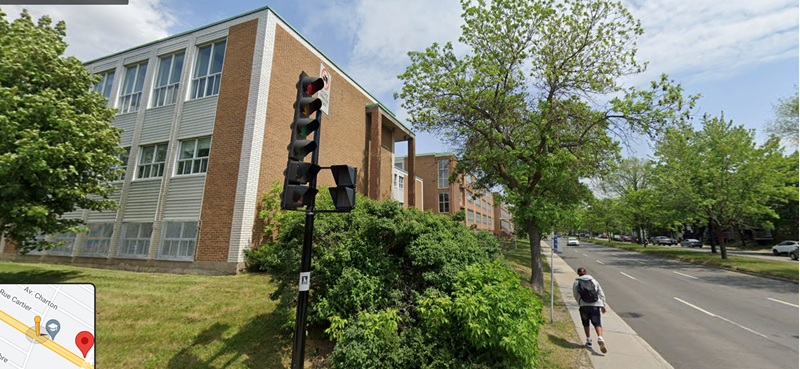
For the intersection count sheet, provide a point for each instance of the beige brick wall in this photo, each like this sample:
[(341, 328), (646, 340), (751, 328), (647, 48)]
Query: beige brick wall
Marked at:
[(223, 163)]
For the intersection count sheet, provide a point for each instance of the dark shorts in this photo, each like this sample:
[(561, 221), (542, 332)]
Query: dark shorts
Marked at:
[(590, 313)]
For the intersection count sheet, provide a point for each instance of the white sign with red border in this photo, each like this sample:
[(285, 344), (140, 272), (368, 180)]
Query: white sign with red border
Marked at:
[(325, 93)]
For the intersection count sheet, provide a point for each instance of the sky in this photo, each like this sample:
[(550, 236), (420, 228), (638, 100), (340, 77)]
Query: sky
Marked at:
[(741, 56)]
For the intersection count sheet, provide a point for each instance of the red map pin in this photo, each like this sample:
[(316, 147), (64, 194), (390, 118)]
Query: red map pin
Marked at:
[(85, 341)]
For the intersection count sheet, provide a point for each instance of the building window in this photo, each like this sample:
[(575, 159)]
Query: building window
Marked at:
[(484, 204), (484, 219), (180, 239), (470, 216), (469, 179), (66, 248), (399, 165), (444, 203), (194, 156), (469, 197), (123, 166), (98, 240), (135, 240), (168, 80), (490, 221), (152, 161), (131, 97), (444, 173), (208, 70), (401, 183), (105, 84)]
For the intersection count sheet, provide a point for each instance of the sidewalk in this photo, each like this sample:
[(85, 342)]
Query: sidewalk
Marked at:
[(625, 348)]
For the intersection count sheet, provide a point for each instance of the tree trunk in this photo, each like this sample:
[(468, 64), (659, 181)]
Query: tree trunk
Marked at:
[(537, 274), (711, 238), (722, 249)]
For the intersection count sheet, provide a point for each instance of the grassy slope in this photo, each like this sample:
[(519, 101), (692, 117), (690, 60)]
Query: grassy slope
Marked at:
[(151, 320), (559, 344), (738, 263)]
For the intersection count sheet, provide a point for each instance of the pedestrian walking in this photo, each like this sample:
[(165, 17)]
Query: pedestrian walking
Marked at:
[(592, 302)]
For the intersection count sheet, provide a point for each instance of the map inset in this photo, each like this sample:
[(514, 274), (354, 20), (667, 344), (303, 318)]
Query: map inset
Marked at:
[(47, 326)]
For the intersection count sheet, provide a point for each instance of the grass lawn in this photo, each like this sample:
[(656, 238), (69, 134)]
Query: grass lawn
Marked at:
[(151, 320), (560, 347), (737, 263)]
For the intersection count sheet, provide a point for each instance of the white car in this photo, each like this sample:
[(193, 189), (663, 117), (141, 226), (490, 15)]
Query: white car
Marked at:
[(573, 242), (784, 247)]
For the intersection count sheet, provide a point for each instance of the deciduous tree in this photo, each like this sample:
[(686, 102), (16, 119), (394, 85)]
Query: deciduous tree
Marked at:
[(537, 97), (57, 148)]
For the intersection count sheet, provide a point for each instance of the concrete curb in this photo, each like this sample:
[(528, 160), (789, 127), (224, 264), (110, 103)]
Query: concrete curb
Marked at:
[(625, 348)]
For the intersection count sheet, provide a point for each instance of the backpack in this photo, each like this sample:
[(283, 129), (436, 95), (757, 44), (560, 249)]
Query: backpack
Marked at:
[(587, 290)]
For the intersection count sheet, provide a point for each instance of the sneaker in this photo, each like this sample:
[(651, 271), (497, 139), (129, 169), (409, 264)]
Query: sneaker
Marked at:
[(589, 342), (602, 345)]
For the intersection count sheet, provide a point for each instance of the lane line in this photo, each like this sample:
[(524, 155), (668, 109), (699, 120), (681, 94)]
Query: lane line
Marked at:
[(600, 262), (623, 273), (722, 318), (782, 302), (686, 275), (586, 255)]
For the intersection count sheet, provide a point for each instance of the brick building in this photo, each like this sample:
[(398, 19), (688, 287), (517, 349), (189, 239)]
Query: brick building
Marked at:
[(502, 223), (442, 197), (206, 117)]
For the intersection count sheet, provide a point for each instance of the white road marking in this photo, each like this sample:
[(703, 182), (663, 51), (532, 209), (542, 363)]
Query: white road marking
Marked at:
[(623, 273), (599, 262), (686, 275), (782, 302), (722, 318), (586, 255)]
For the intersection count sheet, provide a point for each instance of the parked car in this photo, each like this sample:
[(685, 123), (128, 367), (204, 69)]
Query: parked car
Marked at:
[(603, 236), (793, 254), (573, 242), (617, 238), (784, 247), (627, 238), (691, 242), (654, 239), (667, 241)]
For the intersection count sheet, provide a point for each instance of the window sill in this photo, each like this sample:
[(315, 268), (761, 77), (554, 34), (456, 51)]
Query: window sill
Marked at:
[(149, 179), (161, 107), (203, 98), (189, 175), (128, 113), (172, 258), (132, 257)]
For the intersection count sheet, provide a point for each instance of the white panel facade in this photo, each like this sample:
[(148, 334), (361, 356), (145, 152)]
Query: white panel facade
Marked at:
[(106, 215), (157, 124), (172, 48), (142, 201), (136, 58), (104, 67), (185, 197), (211, 36), (127, 122), (198, 117)]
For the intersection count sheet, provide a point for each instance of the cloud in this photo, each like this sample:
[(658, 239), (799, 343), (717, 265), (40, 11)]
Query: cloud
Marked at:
[(707, 40), (94, 31)]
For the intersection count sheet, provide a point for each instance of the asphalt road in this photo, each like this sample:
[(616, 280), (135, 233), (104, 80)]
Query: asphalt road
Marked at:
[(697, 317)]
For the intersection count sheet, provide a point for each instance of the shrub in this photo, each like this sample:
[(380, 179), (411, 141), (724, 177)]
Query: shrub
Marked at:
[(375, 269)]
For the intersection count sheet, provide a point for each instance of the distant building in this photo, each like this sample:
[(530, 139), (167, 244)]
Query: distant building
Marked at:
[(503, 223), (206, 117), (442, 197)]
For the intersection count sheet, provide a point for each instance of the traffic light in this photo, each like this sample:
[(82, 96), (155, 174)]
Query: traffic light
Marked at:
[(344, 194), (298, 174)]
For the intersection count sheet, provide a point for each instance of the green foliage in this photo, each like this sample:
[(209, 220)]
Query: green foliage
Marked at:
[(718, 175), (488, 310), (786, 123), (273, 219), (57, 147), (374, 271), (520, 108)]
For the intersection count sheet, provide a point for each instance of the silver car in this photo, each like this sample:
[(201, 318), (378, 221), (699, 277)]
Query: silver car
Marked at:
[(784, 247), (691, 242), (573, 242)]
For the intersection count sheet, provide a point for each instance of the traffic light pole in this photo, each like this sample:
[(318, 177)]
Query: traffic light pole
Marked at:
[(299, 345)]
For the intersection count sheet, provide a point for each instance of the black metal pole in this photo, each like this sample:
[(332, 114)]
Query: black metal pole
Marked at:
[(299, 345)]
